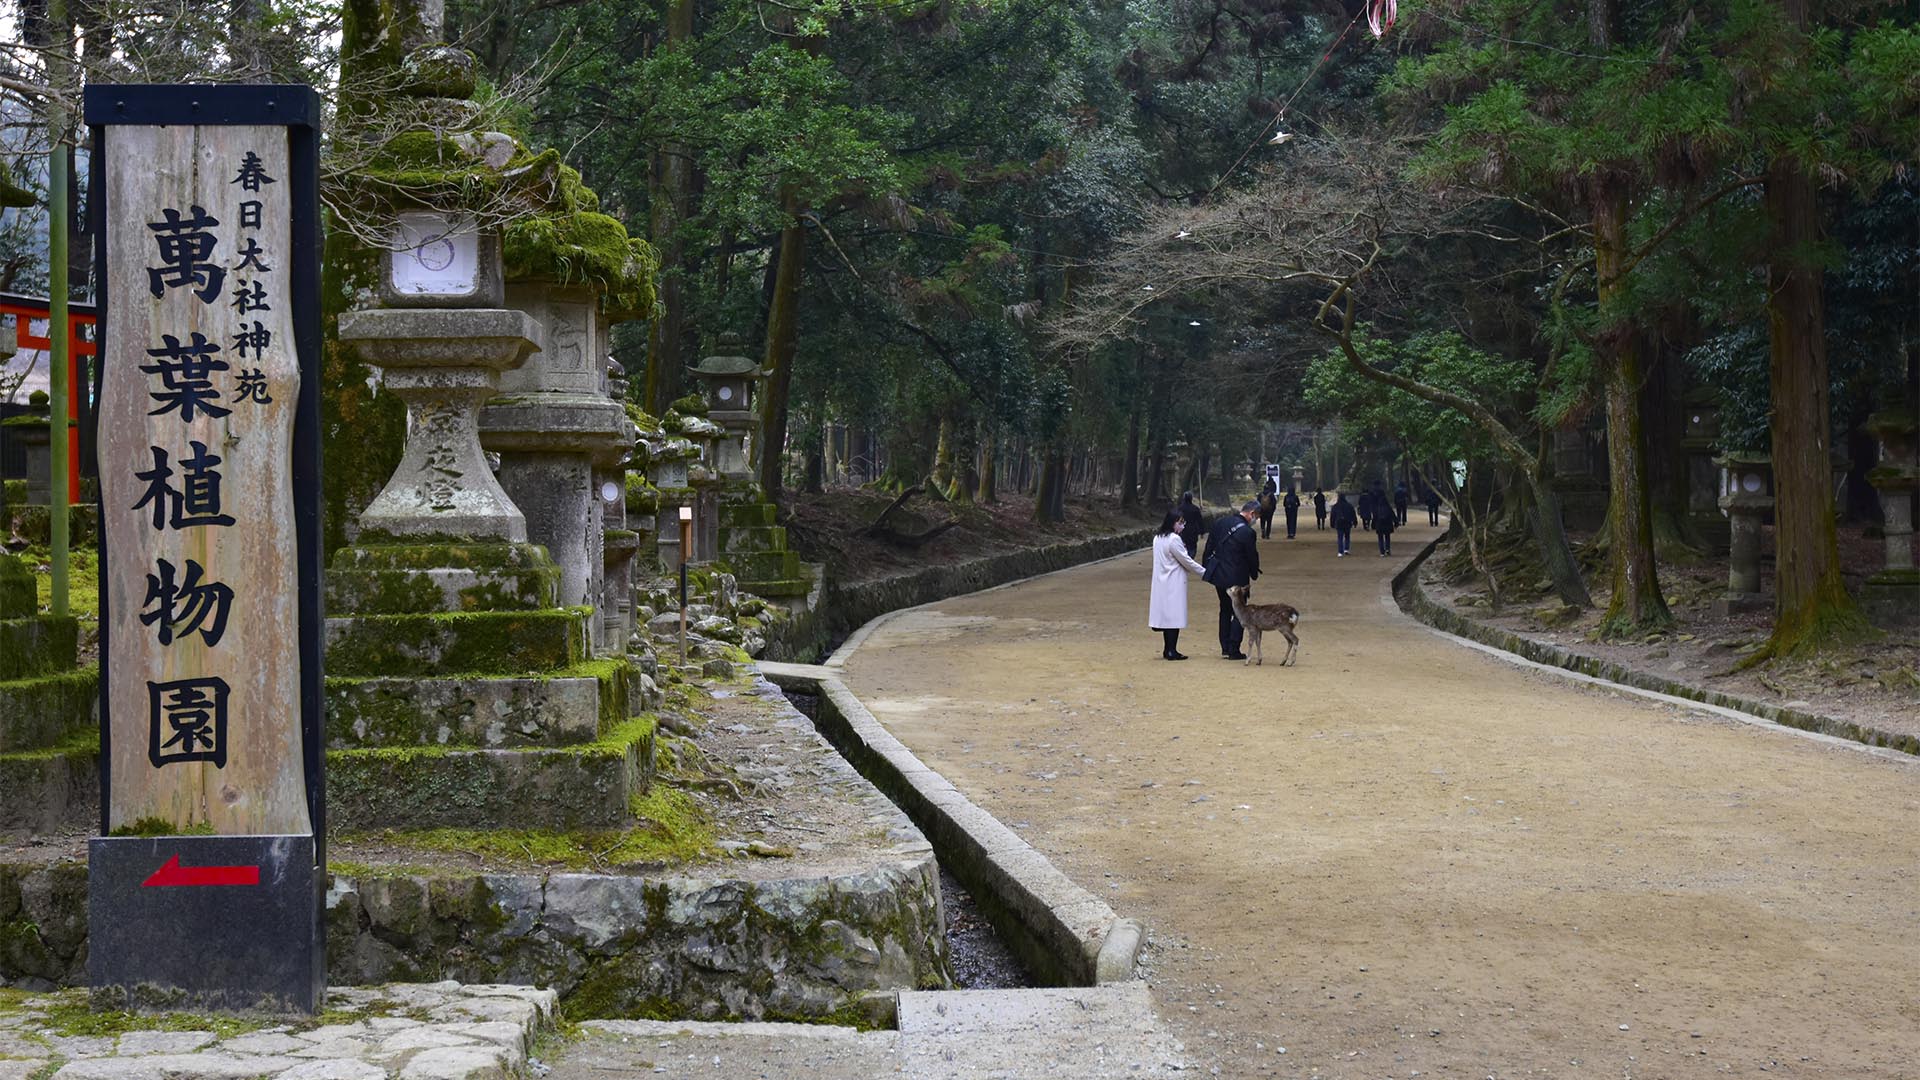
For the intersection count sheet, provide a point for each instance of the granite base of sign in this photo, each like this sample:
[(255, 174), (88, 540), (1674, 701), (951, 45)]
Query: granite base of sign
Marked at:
[(260, 894), (49, 776), (1891, 598), (460, 695)]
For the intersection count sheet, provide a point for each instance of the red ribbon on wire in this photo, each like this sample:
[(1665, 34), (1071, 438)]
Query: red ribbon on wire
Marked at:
[(1381, 15)]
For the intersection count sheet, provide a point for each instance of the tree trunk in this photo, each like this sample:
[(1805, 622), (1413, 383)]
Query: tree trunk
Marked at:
[(670, 191), (1636, 605), (1050, 500), (783, 338), (989, 469), (1663, 407), (816, 474), (943, 456), (1812, 608)]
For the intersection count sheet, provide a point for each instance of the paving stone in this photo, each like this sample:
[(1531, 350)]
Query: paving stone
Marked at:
[(21, 1045), (337, 1048), (80, 1046), (176, 1067), (262, 1042), (330, 1032), (163, 1042), (18, 1070), (334, 1070), (421, 1037), (457, 1063), (510, 1036)]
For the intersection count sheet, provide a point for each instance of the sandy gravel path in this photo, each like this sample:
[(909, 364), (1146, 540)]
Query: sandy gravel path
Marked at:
[(1403, 857)]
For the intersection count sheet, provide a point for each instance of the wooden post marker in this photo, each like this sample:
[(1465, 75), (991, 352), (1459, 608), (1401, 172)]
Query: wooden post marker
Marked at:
[(206, 207)]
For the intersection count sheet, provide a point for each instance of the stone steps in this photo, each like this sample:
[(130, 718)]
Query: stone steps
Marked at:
[(47, 710), (748, 515), (590, 786), (480, 712), (577, 787), (753, 538), (779, 589), (37, 645), (52, 789), (493, 642), (764, 565), (418, 579)]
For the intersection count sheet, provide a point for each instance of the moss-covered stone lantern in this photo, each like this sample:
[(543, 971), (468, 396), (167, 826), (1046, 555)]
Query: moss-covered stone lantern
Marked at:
[(1746, 497), (731, 382)]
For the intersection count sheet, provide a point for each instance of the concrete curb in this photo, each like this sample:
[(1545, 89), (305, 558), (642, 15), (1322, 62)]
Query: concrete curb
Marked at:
[(1065, 934), (859, 637), (1412, 599)]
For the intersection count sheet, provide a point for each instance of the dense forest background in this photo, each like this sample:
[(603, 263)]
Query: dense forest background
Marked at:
[(1022, 248)]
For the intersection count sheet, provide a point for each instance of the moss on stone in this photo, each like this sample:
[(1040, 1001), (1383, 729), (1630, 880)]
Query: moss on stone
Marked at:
[(570, 242), (153, 826), (459, 643), (70, 1013)]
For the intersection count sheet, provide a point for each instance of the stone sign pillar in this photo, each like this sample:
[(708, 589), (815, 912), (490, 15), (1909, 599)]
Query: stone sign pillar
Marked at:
[(1892, 595), (211, 625), (551, 426), (1746, 495)]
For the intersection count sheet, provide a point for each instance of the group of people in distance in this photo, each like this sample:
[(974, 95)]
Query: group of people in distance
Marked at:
[(1233, 553)]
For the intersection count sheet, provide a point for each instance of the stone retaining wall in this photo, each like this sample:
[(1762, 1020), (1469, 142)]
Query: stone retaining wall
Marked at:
[(612, 946), (1414, 600), (845, 607)]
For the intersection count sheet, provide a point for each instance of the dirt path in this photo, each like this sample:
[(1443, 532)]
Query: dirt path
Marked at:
[(1402, 857)]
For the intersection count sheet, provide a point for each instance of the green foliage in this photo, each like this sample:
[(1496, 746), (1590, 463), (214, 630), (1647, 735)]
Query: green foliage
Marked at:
[(1426, 432)]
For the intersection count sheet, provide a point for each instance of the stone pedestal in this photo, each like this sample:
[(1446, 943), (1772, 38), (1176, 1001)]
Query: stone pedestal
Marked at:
[(34, 436), (444, 365), (1892, 596), (730, 381), (1746, 495), (620, 544), (552, 426)]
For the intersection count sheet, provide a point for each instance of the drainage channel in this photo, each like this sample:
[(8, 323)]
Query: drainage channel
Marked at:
[(980, 958)]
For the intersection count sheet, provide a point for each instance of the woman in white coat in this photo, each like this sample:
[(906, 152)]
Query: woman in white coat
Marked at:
[(1167, 608)]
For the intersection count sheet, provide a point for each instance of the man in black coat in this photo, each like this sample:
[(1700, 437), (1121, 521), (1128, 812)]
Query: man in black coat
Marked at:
[(1292, 504), (1319, 508), (1233, 558), (1400, 503), (1433, 506), (1196, 525)]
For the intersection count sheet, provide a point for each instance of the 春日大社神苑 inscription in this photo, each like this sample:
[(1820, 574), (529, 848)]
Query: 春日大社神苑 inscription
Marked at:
[(196, 428)]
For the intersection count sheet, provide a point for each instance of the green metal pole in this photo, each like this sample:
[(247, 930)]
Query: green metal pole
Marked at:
[(58, 329)]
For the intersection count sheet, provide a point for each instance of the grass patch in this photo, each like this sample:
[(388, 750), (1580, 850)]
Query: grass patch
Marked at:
[(673, 829), (153, 826), (68, 1014)]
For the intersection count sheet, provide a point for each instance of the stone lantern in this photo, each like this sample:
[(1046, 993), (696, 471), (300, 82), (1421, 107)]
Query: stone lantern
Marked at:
[(1746, 496), (33, 432), (1299, 478), (443, 361), (1699, 441), (1892, 595), (731, 382)]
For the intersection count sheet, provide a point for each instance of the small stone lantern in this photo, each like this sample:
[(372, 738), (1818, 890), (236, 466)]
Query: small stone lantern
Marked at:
[(1892, 596), (1746, 497), (731, 382), (33, 432)]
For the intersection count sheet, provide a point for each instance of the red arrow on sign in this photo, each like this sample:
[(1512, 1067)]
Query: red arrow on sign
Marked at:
[(175, 874)]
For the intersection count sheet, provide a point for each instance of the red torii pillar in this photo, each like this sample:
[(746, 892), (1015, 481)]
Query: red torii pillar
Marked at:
[(27, 310)]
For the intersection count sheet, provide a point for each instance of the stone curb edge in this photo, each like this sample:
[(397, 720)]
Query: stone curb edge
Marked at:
[(1411, 598), (1067, 935), (1136, 541)]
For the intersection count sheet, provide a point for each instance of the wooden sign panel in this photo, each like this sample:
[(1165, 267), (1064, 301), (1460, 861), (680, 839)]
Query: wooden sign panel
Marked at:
[(205, 697), (204, 200)]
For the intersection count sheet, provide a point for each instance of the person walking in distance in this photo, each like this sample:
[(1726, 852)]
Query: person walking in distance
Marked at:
[(1433, 505), (1344, 518), (1167, 602), (1196, 525), (1365, 508), (1319, 508), (1384, 522), (1233, 558), (1400, 502), (1292, 504)]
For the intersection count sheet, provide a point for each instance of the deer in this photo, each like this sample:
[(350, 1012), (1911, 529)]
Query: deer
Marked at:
[(1257, 618)]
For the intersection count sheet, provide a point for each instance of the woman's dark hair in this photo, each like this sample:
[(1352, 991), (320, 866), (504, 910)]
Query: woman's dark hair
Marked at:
[(1166, 524)]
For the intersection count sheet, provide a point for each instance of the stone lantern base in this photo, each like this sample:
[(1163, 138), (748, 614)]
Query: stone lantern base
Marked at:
[(1892, 597)]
